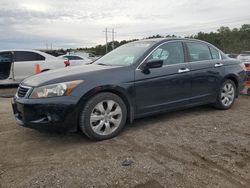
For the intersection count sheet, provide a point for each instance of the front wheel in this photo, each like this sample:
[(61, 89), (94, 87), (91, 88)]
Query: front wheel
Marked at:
[(227, 95), (103, 116)]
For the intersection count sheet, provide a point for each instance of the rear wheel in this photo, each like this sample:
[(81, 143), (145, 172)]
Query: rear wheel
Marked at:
[(103, 116), (248, 91), (227, 95)]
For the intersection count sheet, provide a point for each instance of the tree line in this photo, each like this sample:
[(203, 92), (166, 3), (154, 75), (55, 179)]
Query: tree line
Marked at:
[(228, 40)]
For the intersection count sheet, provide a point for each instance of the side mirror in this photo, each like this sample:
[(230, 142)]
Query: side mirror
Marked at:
[(154, 63)]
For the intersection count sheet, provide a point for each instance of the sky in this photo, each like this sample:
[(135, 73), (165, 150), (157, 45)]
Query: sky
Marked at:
[(40, 24)]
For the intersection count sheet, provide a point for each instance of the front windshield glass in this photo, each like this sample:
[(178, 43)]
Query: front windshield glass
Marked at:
[(125, 55)]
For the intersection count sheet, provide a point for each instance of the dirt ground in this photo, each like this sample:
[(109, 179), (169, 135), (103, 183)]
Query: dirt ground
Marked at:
[(198, 147)]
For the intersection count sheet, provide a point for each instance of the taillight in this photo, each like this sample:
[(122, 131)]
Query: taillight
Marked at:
[(66, 62), (243, 66), (247, 65)]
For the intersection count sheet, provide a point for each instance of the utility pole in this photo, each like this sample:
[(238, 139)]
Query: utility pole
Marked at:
[(106, 32), (113, 39)]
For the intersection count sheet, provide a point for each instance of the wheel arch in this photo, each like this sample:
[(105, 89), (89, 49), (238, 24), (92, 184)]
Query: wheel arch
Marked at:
[(235, 79), (112, 89)]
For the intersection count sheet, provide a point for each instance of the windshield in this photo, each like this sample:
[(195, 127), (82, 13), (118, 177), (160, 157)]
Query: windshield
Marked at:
[(126, 54)]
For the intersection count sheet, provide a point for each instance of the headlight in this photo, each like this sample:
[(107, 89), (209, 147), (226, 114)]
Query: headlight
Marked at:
[(55, 90)]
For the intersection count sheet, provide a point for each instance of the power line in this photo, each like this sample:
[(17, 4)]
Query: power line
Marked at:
[(186, 28)]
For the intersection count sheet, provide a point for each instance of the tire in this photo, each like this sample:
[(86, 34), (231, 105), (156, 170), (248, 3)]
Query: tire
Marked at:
[(226, 96), (103, 116), (248, 91)]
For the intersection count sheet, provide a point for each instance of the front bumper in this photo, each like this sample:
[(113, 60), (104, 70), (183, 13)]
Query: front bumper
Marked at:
[(54, 114)]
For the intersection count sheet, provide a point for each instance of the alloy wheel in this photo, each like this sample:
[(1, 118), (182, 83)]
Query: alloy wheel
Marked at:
[(227, 94), (105, 117)]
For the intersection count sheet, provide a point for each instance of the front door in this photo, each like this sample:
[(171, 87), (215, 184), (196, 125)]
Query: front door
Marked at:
[(167, 87)]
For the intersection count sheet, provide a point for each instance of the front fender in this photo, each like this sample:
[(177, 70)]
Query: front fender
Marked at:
[(125, 94)]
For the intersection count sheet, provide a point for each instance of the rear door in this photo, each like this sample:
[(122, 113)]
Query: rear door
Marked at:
[(167, 87), (206, 68), (25, 62), (6, 60), (75, 60)]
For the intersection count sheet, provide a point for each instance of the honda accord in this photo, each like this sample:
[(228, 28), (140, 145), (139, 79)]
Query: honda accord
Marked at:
[(135, 80)]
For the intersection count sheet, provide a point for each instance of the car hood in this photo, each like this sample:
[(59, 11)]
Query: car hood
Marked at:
[(62, 75)]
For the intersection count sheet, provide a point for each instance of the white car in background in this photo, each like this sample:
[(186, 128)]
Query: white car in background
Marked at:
[(75, 60), (84, 54), (244, 56), (16, 65)]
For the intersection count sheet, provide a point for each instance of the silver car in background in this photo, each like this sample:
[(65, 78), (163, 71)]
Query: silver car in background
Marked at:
[(16, 65), (75, 60), (244, 56)]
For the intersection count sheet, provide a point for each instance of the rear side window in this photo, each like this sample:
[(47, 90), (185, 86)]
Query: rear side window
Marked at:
[(28, 56), (215, 53), (68, 57), (5, 57), (77, 58), (198, 51), (170, 53), (72, 57)]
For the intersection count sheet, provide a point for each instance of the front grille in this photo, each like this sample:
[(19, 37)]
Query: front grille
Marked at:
[(22, 91)]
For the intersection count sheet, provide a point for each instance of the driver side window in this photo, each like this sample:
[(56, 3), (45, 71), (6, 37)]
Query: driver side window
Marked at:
[(170, 53)]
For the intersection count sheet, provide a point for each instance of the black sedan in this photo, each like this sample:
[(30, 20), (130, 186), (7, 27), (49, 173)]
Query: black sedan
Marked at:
[(137, 79)]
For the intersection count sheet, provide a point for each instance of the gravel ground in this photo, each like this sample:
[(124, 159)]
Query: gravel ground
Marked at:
[(198, 147), (7, 92)]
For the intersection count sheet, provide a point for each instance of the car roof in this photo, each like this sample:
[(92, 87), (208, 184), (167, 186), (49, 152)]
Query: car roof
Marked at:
[(27, 50), (70, 55), (78, 55), (172, 38), (159, 41), (30, 50)]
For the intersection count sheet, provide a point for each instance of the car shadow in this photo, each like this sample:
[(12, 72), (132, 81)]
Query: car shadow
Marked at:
[(62, 138), (8, 86), (168, 116), (7, 91), (69, 137)]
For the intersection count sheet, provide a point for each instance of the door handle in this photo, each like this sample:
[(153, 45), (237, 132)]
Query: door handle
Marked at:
[(182, 70), (218, 65)]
